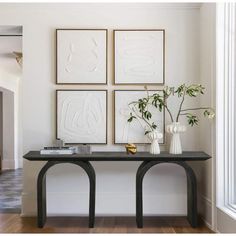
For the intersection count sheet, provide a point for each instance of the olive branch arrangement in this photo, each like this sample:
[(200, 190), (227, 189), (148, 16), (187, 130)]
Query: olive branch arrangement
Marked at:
[(140, 109)]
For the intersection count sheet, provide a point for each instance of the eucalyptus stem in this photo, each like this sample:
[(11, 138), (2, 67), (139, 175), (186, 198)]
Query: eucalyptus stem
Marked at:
[(168, 110), (197, 108), (147, 122), (181, 104), (183, 114), (142, 118), (138, 118), (145, 87)]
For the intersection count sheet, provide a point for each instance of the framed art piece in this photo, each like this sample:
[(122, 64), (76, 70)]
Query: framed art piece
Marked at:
[(81, 56), (125, 132), (139, 56), (81, 116)]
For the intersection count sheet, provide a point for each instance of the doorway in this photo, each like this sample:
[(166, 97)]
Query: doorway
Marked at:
[(7, 130), (10, 156)]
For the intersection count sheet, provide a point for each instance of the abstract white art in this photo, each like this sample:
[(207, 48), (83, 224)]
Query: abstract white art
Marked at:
[(81, 56), (139, 56), (133, 132), (82, 116)]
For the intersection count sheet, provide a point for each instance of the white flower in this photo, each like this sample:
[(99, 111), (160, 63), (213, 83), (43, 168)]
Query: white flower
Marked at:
[(211, 115)]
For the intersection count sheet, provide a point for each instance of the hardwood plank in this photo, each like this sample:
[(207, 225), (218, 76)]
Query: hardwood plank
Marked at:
[(13, 223)]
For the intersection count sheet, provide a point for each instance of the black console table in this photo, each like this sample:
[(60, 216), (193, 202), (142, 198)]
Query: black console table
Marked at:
[(148, 161)]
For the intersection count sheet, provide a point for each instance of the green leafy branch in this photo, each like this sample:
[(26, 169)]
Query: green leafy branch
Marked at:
[(182, 92), (139, 111)]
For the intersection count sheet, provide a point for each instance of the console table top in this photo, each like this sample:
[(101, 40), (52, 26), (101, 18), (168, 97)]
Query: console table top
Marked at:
[(119, 156)]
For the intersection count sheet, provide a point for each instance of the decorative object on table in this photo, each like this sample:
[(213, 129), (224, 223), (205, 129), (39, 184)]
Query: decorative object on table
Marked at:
[(142, 110), (130, 148), (139, 56), (126, 132), (81, 56), (183, 91), (83, 149), (57, 151), (154, 136), (86, 149), (82, 116), (59, 143), (175, 129)]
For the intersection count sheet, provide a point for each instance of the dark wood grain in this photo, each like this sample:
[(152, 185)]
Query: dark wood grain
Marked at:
[(119, 156)]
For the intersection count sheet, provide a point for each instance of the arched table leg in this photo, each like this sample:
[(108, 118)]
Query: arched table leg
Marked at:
[(191, 190), (41, 190)]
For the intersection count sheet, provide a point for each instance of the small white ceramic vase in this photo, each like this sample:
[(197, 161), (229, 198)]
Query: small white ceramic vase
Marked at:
[(154, 136), (175, 129)]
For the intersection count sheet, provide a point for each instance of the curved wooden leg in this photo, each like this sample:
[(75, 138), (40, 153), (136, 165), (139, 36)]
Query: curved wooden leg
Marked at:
[(41, 190), (143, 168), (41, 194), (192, 194), (191, 191), (92, 183)]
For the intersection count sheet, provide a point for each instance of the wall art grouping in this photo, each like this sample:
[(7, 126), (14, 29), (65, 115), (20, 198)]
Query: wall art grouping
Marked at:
[(125, 132), (81, 58)]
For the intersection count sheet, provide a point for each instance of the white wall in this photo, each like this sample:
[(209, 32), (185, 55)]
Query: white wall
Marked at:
[(205, 170), (165, 185)]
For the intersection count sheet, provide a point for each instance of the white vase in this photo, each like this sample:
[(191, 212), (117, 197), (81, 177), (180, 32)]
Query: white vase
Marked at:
[(175, 129), (154, 136)]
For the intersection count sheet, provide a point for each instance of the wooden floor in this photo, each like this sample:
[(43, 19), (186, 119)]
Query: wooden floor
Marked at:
[(13, 223)]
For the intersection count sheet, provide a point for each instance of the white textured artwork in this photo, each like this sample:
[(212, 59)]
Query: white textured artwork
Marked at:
[(126, 132), (81, 56), (139, 57), (81, 116)]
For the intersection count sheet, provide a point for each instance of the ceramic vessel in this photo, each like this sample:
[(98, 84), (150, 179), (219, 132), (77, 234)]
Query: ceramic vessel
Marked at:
[(154, 136), (175, 129)]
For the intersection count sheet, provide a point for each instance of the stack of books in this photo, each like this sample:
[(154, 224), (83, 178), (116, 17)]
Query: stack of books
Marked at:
[(57, 150)]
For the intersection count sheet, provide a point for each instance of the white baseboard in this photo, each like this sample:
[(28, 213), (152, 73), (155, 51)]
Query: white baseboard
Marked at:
[(205, 210)]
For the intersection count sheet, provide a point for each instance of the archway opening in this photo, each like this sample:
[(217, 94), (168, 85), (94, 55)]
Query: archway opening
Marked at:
[(10, 122), (7, 130)]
